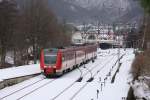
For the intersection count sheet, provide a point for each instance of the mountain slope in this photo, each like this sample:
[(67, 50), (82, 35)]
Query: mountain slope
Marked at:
[(91, 11)]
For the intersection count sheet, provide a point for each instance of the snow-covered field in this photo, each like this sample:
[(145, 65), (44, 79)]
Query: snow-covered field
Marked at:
[(66, 87)]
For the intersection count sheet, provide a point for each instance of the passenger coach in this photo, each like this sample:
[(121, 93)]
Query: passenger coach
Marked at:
[(56, 62)]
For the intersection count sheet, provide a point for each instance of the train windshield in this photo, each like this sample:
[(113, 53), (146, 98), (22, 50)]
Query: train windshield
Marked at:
[(50, 59)]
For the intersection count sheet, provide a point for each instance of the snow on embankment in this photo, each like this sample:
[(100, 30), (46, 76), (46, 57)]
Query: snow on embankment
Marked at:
[(141, 73), (141, 88), (19, 71)]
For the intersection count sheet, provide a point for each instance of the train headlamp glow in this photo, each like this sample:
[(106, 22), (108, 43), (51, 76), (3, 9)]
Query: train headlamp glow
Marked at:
[(54, 66), (48, 66)]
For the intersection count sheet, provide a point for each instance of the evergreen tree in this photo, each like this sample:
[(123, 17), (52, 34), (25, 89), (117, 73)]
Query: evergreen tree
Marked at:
[(146, 5), (146, 22)]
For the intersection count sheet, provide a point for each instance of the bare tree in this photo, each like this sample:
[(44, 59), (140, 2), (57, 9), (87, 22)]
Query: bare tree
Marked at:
[(8, 12), (38, 23)]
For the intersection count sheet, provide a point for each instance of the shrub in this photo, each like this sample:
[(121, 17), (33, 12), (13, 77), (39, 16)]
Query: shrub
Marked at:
[(141, 65)]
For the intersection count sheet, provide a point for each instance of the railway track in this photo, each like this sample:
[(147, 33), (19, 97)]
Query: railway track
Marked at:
[(80, 89), (40, 82), (28, 86), (45, 84), (112, 66), (72, 84), (89, 68), (97, 65), (21, 89)]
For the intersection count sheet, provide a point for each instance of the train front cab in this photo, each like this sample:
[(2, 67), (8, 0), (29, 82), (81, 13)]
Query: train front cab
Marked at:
[(51, 62)]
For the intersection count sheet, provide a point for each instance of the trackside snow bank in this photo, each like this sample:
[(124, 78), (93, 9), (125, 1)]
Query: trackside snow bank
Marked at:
[(141, 74), (17, 74), (141, 88)]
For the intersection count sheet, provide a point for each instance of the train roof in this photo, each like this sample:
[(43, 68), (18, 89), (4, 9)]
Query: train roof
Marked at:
[(54, 50)]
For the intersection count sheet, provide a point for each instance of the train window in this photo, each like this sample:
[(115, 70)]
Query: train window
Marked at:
[(50, 59)]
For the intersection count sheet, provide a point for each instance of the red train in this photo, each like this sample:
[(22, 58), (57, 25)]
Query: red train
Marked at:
[(59, 61)]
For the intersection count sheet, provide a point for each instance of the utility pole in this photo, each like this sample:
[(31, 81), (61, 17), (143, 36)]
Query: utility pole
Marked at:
[(97, 93), (145, 25), (119, 41), (120, 8)]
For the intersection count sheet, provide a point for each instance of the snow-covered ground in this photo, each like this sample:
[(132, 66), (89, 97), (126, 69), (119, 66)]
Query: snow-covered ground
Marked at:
[(66, 87), (141, 88), (19, 71), (120, 87)]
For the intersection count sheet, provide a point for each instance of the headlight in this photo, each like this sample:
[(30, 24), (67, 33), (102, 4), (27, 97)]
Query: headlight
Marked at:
[(54, 66), (46, 66)]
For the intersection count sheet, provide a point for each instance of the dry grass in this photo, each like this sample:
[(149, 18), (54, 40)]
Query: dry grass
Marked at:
[(141, 65)]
